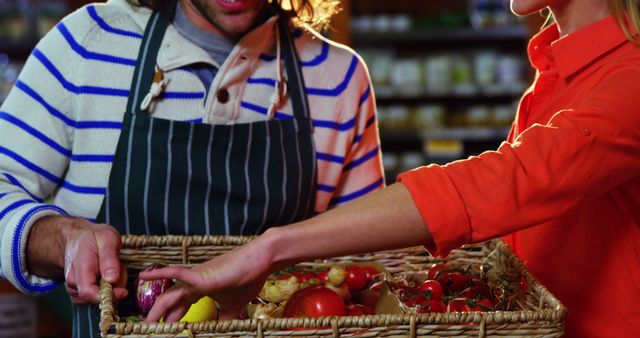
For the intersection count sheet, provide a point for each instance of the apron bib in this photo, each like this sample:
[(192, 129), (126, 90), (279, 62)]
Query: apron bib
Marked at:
[(181, 178)]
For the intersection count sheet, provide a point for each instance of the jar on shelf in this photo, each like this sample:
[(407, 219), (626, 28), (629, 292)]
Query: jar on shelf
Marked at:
[(362, 24), (437, 74), (485, 68), (398, 117), (461, 76), (479, 116), (406, 77), (503, 115), (16, 22), (510, 73), (429, 116), (380, 62), (400, 23)]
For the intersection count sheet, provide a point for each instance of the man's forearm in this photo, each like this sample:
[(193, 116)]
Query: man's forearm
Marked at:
[(383, 220), (46, 245)]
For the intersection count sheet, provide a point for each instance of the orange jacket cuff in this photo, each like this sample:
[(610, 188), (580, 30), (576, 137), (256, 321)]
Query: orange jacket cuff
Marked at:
[(441, 207)]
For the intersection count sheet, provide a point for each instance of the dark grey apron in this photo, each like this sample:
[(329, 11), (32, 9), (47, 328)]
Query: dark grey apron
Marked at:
[(182, 178)]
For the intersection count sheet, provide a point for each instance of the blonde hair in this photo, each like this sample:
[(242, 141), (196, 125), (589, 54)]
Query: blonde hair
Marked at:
[(627, 11)]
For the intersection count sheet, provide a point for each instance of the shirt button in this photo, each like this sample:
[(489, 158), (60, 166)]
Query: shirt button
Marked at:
[(222, 95)]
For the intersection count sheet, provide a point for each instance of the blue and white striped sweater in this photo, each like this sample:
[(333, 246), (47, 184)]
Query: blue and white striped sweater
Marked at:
[(61, 122)]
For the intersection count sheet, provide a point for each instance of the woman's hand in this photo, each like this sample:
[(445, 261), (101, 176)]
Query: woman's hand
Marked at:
[(232, 280)]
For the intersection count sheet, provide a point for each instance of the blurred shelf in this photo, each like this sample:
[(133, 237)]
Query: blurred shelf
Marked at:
[(449, 99), (475, 134), (19, 50), (455, 36)]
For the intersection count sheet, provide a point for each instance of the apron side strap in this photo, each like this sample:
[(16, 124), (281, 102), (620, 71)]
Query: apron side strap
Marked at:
[(147, 56)]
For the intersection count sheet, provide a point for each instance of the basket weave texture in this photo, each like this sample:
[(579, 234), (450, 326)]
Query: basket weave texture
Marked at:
[(537, 314)]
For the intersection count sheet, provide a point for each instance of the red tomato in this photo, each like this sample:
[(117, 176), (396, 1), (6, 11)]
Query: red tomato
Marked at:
[(411, 301), (356, 278), (480, 288), (314, 302), (284, 276), (304, 275), (431, 305), (370, 271), (458, 305), (452, 281), (469, 293), (431, 289), (359, 310), (323, 275), (434, 271)]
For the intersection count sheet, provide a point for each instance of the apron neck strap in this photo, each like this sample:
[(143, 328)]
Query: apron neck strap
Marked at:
[(295, 80), (148, 54)]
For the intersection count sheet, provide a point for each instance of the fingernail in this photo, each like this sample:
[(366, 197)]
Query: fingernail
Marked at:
[(111, 274)]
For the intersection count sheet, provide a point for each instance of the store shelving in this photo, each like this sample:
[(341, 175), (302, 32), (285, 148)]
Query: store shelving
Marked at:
[(447, 75), (451, 36)]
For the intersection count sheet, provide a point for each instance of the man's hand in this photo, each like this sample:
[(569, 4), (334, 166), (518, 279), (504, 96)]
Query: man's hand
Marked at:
[(80, 251)]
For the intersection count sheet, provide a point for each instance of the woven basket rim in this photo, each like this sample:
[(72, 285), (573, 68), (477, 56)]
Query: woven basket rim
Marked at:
[(109, 325)]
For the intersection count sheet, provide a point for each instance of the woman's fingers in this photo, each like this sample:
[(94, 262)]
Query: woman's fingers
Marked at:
[(176, 313), (172, 304), (182, 274)]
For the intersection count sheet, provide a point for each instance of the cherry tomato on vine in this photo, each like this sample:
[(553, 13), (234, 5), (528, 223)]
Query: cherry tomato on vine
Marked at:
[(356, 278), (431, 289), (370, 272), (434, 271), (452, 282), (304, 275)]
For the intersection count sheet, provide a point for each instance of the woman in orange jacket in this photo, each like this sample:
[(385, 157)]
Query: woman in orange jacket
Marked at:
[(563, 191)]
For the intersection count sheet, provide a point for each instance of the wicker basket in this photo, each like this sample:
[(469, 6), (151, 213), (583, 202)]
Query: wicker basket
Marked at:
[(538, 314)]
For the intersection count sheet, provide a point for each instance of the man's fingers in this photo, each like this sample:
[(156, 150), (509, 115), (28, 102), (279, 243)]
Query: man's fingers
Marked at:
[(109, 244), (89, 294), (86, 283), (122, 280)]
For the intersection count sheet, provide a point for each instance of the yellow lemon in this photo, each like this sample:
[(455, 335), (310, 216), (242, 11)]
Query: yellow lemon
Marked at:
[(202, 310)]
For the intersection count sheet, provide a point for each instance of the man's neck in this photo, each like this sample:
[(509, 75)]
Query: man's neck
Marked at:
[(192, 13)]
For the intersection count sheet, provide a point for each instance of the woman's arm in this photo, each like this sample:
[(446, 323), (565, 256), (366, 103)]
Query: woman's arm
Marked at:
[(382, 220)]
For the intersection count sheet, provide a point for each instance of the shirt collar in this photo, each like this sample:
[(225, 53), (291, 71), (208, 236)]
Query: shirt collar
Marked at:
[(176, 51), (574, 51)]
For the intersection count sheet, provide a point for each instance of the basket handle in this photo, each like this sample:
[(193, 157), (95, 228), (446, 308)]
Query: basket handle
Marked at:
[(107, 313)]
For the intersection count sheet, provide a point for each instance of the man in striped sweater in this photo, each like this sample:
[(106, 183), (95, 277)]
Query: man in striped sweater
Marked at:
[(245, 119)]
